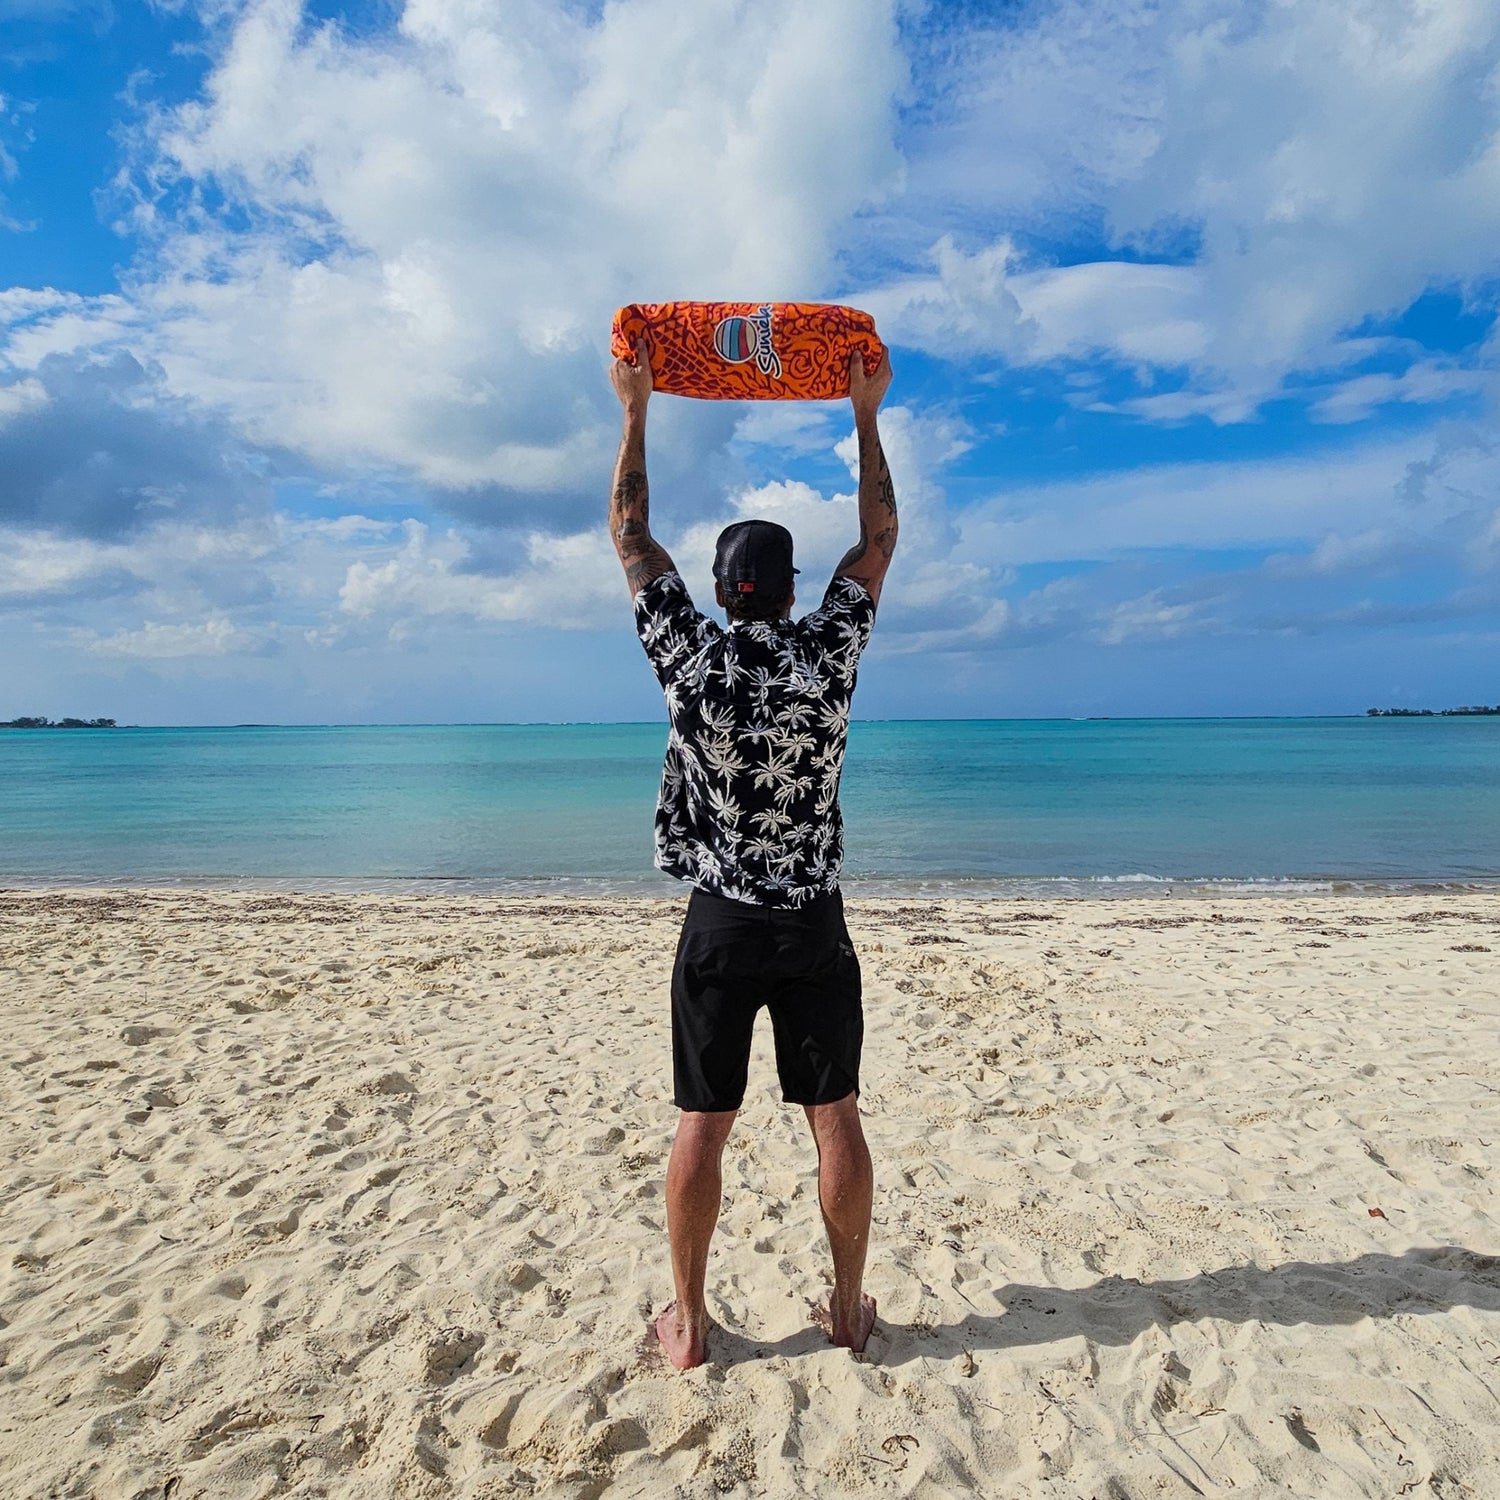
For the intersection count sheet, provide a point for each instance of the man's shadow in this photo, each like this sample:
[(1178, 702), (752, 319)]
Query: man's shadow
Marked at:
[(1116, 1309)]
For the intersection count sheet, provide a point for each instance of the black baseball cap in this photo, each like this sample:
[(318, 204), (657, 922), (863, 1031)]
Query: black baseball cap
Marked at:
[(755, 557)]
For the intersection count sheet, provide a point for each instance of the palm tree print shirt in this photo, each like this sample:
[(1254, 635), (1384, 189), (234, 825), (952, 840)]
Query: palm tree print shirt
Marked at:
[(759, 718)]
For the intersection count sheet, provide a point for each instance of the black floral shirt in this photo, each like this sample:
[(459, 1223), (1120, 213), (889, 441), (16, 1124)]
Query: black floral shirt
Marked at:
[(759, 719)]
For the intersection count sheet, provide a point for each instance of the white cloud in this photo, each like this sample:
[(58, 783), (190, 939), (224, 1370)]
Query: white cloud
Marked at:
[(569, 582), (1151, 314), (11, 117), (1427, 381), (1336, 160), (1206, 506), (1376, 549), (34, 564), (42, 322), (988, 303), (574, 581), (968, 307), (788, 426), (1150, 617), (21, 396), (430, 230), (1317, 166), (159, 642), (1221, 406)]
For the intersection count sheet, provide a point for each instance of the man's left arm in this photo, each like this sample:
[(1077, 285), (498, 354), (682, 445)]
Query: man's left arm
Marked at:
[(869, 559), (641, 555)]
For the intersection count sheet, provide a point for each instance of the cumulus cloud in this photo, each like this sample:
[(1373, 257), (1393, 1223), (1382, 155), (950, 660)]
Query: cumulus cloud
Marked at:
[(1191, 506), (574, 581), (21, 396), (403, 249), (1300, 137), (1302, 169), (35, 566), (1389, 534), (969, 306), (38, 322), (93, 446), (1151, 617), (217, 636), (990, 303), (568, 582)]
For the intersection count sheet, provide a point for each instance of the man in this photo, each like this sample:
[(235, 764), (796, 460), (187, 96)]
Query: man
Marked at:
[(748, 815)]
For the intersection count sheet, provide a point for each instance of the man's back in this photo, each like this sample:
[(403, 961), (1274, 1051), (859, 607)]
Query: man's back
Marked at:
[(759, 722)]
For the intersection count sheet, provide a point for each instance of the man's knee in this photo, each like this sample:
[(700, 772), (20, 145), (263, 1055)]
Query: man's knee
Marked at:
[(703, 1134), (836, 1124)]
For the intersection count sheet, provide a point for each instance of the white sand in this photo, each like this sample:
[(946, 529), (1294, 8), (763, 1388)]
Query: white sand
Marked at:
[(362, 1197)]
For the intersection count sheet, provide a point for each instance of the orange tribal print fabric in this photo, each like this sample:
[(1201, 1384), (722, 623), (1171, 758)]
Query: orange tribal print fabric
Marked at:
[(748, 351)]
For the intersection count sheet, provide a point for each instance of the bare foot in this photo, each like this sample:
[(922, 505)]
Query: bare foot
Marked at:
[(852, 1338), (684, 1345)]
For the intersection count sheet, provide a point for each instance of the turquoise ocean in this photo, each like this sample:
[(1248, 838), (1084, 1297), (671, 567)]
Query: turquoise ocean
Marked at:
[(1100, 807)]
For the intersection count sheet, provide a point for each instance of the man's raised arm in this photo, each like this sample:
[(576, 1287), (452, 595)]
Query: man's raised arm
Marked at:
[(870, 557), (629, 500)]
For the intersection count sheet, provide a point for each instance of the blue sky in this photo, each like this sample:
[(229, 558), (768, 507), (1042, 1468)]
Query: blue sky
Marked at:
[(304, 314)]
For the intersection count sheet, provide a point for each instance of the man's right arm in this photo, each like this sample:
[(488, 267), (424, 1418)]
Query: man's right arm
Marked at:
[(870, 557), (641, 555)]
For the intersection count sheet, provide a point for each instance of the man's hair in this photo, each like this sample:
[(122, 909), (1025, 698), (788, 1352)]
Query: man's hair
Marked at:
[(743, 608)]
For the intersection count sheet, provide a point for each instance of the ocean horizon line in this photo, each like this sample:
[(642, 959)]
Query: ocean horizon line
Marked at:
[(871, 719)]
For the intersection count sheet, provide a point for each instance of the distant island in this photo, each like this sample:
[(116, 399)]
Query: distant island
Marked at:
[(57, 724), (1428, 713)]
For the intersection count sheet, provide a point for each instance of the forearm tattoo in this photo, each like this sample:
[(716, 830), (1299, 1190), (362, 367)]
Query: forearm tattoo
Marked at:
[(630, 505), (877, 506), (630, 526), (872, 454)]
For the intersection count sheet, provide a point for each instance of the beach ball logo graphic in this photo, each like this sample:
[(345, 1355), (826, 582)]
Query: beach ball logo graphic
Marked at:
[(739, 340), (736, 340)]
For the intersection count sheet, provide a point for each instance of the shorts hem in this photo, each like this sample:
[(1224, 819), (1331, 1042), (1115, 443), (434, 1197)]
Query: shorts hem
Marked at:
[(809, 1103)]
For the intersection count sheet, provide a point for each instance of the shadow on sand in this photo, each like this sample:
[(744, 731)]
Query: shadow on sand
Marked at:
[(1116, 1309)]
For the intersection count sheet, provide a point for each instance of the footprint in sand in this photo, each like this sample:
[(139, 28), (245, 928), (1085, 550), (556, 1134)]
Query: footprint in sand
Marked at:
[(448, 1353)]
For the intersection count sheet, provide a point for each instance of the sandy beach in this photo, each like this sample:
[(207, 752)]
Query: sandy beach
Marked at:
[(362, 1196)]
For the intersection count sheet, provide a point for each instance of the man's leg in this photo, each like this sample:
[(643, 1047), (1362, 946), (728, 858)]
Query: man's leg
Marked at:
[(846, 1190), (695, 1185)]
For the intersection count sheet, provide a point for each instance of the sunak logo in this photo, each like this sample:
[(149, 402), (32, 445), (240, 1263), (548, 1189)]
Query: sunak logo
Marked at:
[(739, 340)]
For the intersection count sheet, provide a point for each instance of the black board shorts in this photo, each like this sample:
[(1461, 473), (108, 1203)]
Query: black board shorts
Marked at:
[(798, 962)]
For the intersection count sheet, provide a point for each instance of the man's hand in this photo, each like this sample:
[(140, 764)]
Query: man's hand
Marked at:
[(866, 392), (632, 382)]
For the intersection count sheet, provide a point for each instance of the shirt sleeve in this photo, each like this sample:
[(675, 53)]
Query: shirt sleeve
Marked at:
[(670, 627), (842, 623)]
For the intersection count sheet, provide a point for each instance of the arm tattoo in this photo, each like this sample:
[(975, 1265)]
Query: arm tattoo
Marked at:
[(630, 527), (641, 569), (855, 554), (869, 558), (630, 517), (872, 461), (630, 506), (632, 495)]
